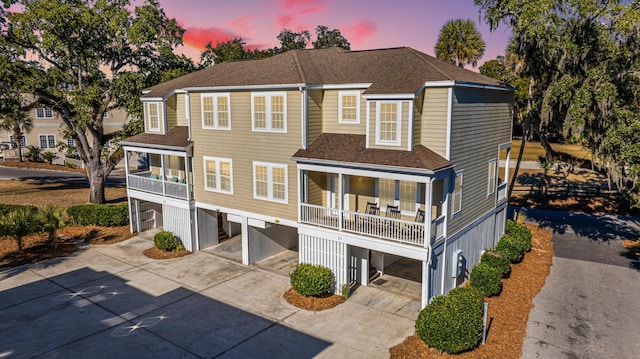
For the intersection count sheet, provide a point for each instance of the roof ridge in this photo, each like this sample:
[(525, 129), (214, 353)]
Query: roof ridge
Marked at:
[(301, 74), (415, 52)]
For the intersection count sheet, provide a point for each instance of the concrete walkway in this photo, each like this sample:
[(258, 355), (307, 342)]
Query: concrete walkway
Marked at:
[(113, 302), (589, 306)]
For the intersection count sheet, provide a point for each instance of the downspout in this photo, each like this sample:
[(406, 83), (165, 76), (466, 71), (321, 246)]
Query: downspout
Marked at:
[(449, 116), (429, 220), (305, 117), (187, 107)]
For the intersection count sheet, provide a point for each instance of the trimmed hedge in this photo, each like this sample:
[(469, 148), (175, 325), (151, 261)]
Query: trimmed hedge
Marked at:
[(311, 280), (104, 215), (511, 248), (6, 208), (452, 323), (486, 279), (521, 233), (497, 260), (165, 241)]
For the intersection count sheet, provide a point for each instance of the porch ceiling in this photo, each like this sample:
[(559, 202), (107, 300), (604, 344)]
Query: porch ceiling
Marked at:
[(176, 139), (351, 149)]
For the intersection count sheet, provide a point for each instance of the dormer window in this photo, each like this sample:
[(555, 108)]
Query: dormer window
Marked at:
[(349, 107), (388, 121), (153, 115)]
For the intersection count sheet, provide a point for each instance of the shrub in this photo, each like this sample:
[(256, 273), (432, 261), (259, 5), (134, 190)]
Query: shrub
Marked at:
[(510, 248), (50, 220), (99, 215), (6, 208), (521, 233), (311, 280), (49, 156), (17, 224), (165, 241), (498, 261), (452, 323), (34, 154), (486, 279)]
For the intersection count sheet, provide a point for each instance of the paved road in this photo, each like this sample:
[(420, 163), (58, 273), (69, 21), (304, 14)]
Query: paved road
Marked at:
[(117, 176), (589, 306)]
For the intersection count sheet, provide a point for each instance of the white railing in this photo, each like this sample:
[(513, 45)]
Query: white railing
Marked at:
[(140, 181), (364, 224), (502, 191), (437, 228)]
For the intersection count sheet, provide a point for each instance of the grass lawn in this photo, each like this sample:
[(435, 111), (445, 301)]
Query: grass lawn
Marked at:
[(60, 195), (532, 150)]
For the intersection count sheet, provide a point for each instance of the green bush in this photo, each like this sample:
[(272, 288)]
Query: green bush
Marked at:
[(311, 280), (452, 323), (104, 215), (498, 261), (511, 248), (521, 233), (17, 224), (166, 241), (486, 279), (6, 208)]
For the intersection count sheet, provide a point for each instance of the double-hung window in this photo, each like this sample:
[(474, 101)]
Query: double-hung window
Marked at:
[(44, 113), (153, 115), (491, 177), (349, 107), (269, 111), (457, 193), (403, 194), (23, 141), (218, 175), (216, 111), (71, 142), (270, 181), (47, 141), (388, 121)]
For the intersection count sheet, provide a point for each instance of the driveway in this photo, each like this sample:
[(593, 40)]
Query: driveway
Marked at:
[(112, 301), (589, 306)]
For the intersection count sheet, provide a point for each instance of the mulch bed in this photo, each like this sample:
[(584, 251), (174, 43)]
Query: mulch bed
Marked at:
[(155, 253), (68, 239), (41, 165), (508, 312), (633, 247), (315, 304)]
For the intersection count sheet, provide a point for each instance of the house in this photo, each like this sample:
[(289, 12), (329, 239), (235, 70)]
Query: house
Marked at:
[(356, 159), (48, 133)]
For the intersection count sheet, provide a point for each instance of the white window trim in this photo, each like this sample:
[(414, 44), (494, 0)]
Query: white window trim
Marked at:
[(105, 114), (397, 142), (44, 112), (453, 194), (46, 138), (396, 197), (13, 144), (349, 93), (492, 177), (267, 104), (217, 161), (159, 111), (214, 100), (270, 167)]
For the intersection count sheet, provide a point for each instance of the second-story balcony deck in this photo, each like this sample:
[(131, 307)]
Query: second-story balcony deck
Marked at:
[(146, 181)]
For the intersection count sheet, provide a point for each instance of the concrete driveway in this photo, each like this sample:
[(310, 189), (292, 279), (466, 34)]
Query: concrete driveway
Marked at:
[(589, 306), (113, 302)]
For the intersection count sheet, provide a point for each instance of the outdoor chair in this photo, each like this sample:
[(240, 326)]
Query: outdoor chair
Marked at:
[(153, 176), (174, 179), (393, 212), (370, 208), (420, 216), (183, 181)]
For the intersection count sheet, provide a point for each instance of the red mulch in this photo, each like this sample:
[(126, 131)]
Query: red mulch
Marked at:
[(155, 253), (508, 312), (315, 304)]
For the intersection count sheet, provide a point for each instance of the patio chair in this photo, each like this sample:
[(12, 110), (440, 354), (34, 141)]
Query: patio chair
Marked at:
[(393, 212), (174, 179), (373, 209), (420, 216), (153, 176), (183, 181)]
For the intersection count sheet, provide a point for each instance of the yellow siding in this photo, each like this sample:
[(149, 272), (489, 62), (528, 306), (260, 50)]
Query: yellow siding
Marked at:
[(171, 106), (433, 131), (330, 117), (417, 118), (181, 111), (314, 113), (481, 121), (244, 146)]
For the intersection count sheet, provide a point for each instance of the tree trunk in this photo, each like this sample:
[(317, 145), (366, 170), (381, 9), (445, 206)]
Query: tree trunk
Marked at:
[(97, 181), (525, 130), (550, 153)]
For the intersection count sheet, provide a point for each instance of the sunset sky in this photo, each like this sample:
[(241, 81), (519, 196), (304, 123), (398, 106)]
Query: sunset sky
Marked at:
[(367, 24)]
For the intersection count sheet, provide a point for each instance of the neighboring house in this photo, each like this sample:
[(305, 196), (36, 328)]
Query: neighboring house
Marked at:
[(357, 159), (47, 134)]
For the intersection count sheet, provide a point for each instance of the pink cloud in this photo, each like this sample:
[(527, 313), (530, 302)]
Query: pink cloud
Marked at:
[(288, 5), (244, 23), (357, 34), (199, 37)]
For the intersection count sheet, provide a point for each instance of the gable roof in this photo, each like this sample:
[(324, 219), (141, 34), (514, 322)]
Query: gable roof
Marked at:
[(400, 70), (350, 149)]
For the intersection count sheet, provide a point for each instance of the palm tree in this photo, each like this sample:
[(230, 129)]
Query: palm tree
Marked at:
[(18, 123), (460, 43)]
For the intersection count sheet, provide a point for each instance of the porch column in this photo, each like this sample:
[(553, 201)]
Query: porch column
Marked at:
[(126, 167), (428, 212), (187, 171), (425, 282), (245, 240), (340, 200), (163, 175)]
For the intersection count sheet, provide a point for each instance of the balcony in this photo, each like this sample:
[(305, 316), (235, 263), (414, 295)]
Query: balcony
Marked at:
[(147, 182), (381, 227)]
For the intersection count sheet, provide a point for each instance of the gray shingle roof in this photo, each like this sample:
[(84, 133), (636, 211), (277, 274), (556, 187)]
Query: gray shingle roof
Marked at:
[(176, 138), (390, 71), (351, 149)]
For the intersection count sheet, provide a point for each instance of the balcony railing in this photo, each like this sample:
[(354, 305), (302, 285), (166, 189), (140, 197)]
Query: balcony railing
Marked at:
[(437, 228), (142, 182), (392, 229)]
